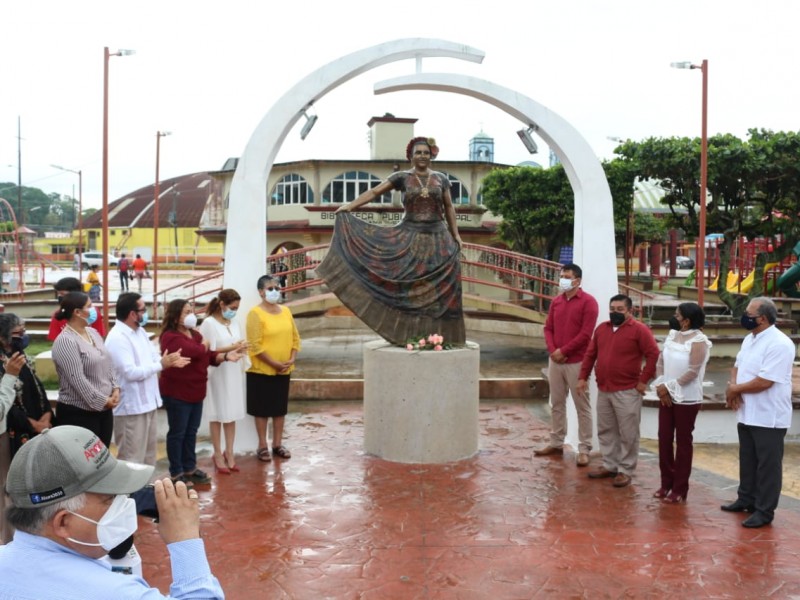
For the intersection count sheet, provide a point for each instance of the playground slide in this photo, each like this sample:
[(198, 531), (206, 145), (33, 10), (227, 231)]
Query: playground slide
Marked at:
[(787, 281), (733, 279), (747, 282)]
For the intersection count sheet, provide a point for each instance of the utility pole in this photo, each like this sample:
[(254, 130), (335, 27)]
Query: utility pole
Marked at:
[(20, 217)]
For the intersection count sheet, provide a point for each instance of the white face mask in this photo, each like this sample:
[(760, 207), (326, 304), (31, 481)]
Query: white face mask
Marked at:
[(190, 322), (565, 284), (115, 526), (272, 296)]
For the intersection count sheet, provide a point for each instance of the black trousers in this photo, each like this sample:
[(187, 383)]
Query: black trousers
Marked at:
[(101, 423), (761, 467)]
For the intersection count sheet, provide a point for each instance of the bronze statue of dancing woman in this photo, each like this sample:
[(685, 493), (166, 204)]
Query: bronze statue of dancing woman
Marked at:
[(402, 281)]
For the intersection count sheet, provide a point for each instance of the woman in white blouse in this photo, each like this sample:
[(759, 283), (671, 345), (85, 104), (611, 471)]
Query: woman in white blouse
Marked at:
[(679, 385), (225, 399)]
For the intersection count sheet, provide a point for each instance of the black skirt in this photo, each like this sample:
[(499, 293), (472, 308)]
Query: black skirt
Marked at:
[(267, 395)]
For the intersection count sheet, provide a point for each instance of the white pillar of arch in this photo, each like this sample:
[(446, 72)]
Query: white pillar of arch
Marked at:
[(594, 249), (246, 242)]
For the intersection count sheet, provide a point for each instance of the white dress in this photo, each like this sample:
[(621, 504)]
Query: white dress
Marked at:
[(225, 398)]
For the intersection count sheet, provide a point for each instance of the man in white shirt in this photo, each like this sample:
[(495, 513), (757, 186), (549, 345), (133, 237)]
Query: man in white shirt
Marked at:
[(137, 364), (760, 390)]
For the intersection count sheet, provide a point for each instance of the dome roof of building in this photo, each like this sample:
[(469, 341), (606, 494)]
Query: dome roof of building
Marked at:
[(188, 193)]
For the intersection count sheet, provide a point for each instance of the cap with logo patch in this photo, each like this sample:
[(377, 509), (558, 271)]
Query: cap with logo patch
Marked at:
[(66, 461)]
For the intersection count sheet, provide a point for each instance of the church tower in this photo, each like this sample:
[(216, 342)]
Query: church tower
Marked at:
[(481, 148)]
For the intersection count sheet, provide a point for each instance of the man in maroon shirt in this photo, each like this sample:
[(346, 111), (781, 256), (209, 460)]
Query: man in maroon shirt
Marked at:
[(617, 350), (567, 332)]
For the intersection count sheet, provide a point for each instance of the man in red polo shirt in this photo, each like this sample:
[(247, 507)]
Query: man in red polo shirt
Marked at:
[(567, 331), (616, 353)]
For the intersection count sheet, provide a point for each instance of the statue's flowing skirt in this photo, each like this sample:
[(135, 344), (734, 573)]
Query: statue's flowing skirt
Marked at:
[(402, 281)]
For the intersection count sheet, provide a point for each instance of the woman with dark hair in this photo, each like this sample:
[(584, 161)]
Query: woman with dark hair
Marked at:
[(12, 386), (64, 286), (224, 403), (679, 385), (87, 384), (273, 345), (183, 390), (402, 281), (31, 412)]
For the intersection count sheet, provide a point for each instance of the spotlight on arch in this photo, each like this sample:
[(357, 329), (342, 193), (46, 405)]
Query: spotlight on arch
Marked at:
[(525, 136), (310, 121)]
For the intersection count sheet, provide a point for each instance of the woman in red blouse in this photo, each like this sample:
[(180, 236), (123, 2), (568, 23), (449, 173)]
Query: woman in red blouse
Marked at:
[(183, 392)]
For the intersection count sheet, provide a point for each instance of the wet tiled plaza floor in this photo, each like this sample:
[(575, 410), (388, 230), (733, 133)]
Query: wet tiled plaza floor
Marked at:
[(333, 522)]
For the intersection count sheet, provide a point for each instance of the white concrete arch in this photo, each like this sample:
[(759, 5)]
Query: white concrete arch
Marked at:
[(246, 244), (594, 248)]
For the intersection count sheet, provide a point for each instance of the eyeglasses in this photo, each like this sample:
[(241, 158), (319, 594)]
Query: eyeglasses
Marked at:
[(141, 310), (272, 288)]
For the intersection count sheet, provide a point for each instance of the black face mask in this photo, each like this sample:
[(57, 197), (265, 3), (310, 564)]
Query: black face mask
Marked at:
[(18, 344), (616, 318), (674, 324), (749, 322)]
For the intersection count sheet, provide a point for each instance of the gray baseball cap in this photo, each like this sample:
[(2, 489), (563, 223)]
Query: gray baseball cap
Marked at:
[(66, 461)]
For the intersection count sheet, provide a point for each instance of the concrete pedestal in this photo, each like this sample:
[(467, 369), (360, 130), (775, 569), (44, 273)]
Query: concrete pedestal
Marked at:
[(420, 407)]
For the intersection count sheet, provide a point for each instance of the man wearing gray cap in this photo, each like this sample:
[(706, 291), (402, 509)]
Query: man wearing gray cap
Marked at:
[(69, 505)]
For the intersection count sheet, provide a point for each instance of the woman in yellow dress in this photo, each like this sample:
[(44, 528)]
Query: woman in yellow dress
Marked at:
[(273, 343)]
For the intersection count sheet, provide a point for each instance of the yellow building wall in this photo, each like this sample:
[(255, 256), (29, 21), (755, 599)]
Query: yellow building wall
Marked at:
[(190, 246)]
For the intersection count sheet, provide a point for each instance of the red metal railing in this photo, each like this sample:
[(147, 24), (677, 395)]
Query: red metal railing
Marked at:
[(494, 273)]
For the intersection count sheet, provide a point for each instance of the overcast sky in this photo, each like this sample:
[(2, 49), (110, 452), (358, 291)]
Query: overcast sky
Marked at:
[(209, 71)]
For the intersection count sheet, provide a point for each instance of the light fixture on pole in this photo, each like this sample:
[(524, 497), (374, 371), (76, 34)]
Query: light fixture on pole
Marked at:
[(80, 216), (310, 122), (527, 139), (156, 193), (700, 266), (106, 56)]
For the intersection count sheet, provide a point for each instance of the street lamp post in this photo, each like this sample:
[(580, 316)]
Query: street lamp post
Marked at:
[(159, 135), (80, 216), (106, 56), (700, 267)]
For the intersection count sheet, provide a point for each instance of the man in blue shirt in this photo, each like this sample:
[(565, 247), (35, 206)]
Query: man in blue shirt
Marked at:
[(69, 505)]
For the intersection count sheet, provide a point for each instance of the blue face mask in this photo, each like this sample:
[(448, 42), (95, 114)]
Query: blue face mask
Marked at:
[(749, 322), (19, 343), (228, 314), (143, 318), (92, 316)]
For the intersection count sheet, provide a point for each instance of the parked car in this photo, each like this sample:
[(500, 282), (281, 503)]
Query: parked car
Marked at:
[(90, 259), (681, 262)]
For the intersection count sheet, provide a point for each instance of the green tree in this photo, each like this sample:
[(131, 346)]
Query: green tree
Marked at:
[(536, 206), (32, 198), (753, 186)]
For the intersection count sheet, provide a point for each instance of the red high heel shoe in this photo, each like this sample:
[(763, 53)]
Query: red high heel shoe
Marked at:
[(661, 493), (231, 467), (218, 469)]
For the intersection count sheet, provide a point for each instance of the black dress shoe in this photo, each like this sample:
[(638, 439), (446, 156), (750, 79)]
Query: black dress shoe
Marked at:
[(757, 519), (737, 506)]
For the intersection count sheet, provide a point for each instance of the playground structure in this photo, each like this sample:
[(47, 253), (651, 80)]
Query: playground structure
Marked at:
[(780, 278)]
